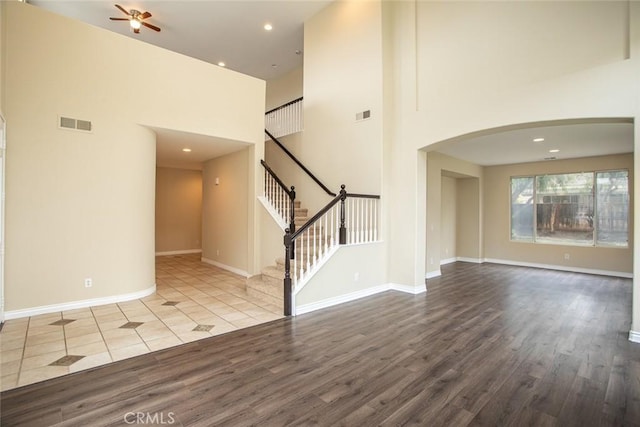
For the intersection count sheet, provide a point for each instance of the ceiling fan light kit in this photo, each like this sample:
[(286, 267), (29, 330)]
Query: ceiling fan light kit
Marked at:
[(136, 19)]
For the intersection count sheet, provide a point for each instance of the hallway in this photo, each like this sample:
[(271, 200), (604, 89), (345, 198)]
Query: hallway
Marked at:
[(193, 301)]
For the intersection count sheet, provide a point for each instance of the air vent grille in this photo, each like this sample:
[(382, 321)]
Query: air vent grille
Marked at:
[(364, 115), (74, 124)]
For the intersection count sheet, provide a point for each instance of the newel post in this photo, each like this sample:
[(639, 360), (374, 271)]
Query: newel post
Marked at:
[(292, 219), (343, 229), (287, 272)]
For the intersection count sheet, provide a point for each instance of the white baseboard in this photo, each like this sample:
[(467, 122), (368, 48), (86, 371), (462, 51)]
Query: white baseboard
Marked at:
[(562, 268), (183, 252), (341, 299), (473, 260), (634, 336), (74, 305), (225, 267), (415, 290), (329, 302), (433, 274), (448, 261)]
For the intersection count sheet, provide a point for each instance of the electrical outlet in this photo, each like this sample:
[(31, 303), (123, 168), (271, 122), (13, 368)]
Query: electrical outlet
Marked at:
[(217, 252), (356, 277), (567, 256), (88, 282)]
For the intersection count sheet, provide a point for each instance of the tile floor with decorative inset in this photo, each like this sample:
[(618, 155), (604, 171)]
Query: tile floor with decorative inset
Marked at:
[(62, 322), (203, 328), (193, 300), (131, 325), (67, 360)]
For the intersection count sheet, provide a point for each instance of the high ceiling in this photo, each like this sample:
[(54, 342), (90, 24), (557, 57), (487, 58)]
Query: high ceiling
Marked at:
[(233, 32), (213, 31)]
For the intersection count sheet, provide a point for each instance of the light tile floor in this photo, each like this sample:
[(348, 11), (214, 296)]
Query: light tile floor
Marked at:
[(193, 301)]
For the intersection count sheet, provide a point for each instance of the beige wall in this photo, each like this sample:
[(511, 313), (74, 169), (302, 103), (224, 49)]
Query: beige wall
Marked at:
[(178, 210), (3, 58), (469, 236), (497, 218), (284, 89), (80, 203), (448, 214), (340, 80), (468, 210), (225, 211), (353, 269)]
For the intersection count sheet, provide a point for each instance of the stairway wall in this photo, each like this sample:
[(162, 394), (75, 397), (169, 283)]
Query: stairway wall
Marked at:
[(353, 269), (271, 239)]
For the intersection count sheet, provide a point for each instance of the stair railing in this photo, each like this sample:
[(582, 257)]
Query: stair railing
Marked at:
[(285, 119), (346, 219), (281, 198), (299, 163)]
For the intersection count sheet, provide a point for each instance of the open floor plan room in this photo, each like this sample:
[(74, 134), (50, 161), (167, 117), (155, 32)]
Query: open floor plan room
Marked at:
[(486, 345)]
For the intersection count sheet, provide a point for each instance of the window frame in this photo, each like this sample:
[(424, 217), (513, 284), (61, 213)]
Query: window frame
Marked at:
[(594, 193)]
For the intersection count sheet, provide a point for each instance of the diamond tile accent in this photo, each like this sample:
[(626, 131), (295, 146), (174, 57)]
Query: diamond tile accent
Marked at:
[(66, 360), (62, 322), (203, 328), (171, 303), (131, 325)]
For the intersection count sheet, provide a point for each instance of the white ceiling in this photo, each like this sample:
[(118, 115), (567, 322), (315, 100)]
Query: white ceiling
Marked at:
[(210, 30), (232, 31), (169, 145), (213, 31), (517, 146)]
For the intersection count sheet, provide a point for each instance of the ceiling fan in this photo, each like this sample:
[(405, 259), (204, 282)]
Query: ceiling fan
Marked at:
[(136, 19)]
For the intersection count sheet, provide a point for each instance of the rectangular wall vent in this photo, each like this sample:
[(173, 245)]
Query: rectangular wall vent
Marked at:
[(363, 115), (74, 124)]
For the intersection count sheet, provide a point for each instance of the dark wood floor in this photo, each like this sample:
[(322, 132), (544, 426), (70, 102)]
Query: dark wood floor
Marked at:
[(487, 345)]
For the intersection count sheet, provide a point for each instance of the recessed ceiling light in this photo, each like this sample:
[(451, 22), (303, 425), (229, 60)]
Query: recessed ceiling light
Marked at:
[(538, 139), (186, 150), (268, 27), (222, 64), (555, 150)]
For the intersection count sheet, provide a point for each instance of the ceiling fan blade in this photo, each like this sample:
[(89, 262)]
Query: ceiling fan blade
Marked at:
[(126, 12), (153, 27), (120, 19), (145, 15)]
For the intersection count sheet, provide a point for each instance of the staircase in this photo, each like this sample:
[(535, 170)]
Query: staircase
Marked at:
[(268, 286)]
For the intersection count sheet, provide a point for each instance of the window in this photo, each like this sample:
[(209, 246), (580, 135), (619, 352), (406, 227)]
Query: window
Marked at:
[(588, 208), (522, 209)]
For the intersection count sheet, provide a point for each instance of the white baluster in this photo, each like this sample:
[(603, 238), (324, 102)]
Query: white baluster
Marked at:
[(352, 223), (375, 220), (308, 251), (367, 236), (358, 221), (324, 233), (315, 245)]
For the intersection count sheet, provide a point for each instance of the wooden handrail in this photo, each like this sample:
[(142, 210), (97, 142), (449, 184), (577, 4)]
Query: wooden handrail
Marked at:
[(299, 163), (276, 179), (284, 106), (317, 216)]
